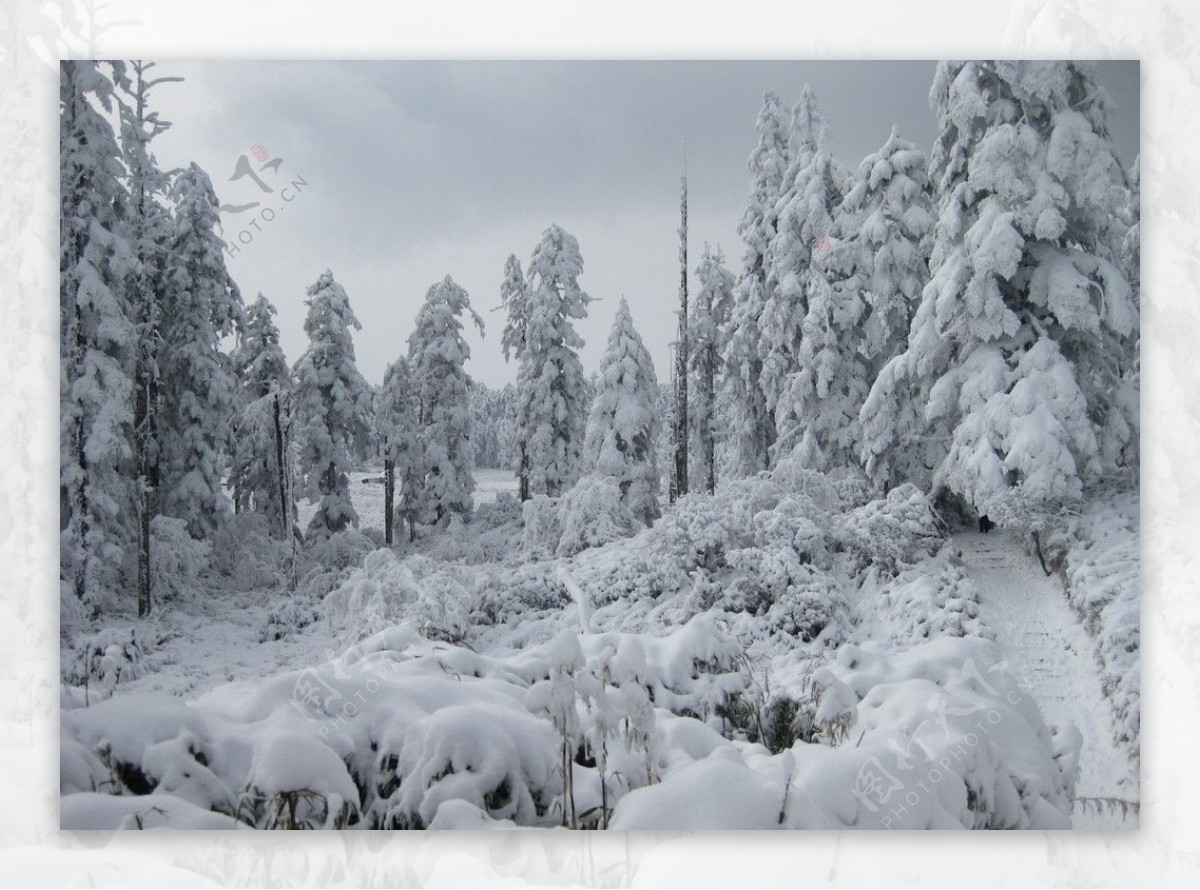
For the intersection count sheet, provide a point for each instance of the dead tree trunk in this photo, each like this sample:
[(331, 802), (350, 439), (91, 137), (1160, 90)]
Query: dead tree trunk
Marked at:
[(679, 473), (389, 499)]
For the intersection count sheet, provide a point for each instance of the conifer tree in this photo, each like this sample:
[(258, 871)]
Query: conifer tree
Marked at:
[(624, 424), (97, 345), (552, 401), (149, 229), (332, 406), (709, 321), (397, 421), (750, 422), (1026, 330), (262, 472), (514, 300), (437, 355)]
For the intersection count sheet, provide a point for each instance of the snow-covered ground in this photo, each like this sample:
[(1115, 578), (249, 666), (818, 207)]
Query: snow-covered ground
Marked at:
[(1054, 656), (784, 654)]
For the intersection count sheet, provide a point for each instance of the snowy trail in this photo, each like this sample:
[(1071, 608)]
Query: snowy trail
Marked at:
[(1053, 653)]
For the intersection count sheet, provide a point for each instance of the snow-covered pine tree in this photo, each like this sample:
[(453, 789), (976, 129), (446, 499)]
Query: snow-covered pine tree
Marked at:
[(552, 406), (197, 391), (709, 320), (892, 203), (1025, 332), (624, 424), (514, 300), (332, 406), (811, 379), (750, 424), (437, 355), (149, 227), (398, 430), (262, 471), (97, 346)]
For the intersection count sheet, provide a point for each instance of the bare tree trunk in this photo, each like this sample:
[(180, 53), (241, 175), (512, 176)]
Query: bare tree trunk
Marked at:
[(142, 425), (523, 474), (281, 474), (389, 499), (679, 475)]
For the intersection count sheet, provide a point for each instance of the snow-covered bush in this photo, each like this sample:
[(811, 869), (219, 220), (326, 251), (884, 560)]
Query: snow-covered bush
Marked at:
[(245, 552), (541, 527), (296, 612), (1101, 569), (932, 599), (940, 737), (894, 531), (384, 592), (295, 782), (178, 562), (593, 513), (341, 550), (809, 609), (106, 659)]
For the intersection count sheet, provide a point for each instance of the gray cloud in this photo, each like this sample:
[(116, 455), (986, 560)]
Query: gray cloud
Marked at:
[(416, 169)]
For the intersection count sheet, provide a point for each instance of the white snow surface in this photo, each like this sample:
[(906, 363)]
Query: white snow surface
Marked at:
[(1053, 656), (685, 699)]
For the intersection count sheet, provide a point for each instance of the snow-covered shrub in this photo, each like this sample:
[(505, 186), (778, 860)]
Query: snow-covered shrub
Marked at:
[(933, 744), (593, 513), (178, 562), (295, 782), (933, 598), (952, 705), (699, 530), (539, 516), (294, 613), (106, 659), (851, 486), (894, 531), (244, 551), (384, 592), (809, 609), (497, 757), (341, 550), (1099, 553), (524, 590)]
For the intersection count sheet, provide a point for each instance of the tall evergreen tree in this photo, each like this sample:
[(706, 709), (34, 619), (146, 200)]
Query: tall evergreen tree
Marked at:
[(397, 423), (97, 346), (437, 355), (751, 425), (624, 424), (709, 321), (891, 206), (197, 388), (514, 300), (801, 272), (149, 230), (332, 406), (552, 406), (1026, 330), (262, 472)]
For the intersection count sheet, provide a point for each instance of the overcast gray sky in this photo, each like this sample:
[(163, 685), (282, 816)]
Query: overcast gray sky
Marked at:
[(415, 170)]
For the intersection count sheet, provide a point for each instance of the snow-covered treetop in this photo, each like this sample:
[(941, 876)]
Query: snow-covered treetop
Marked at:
[(767, 165), (553, 281), (438, 332), (199, 253), (514, 298), (259, 361)]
